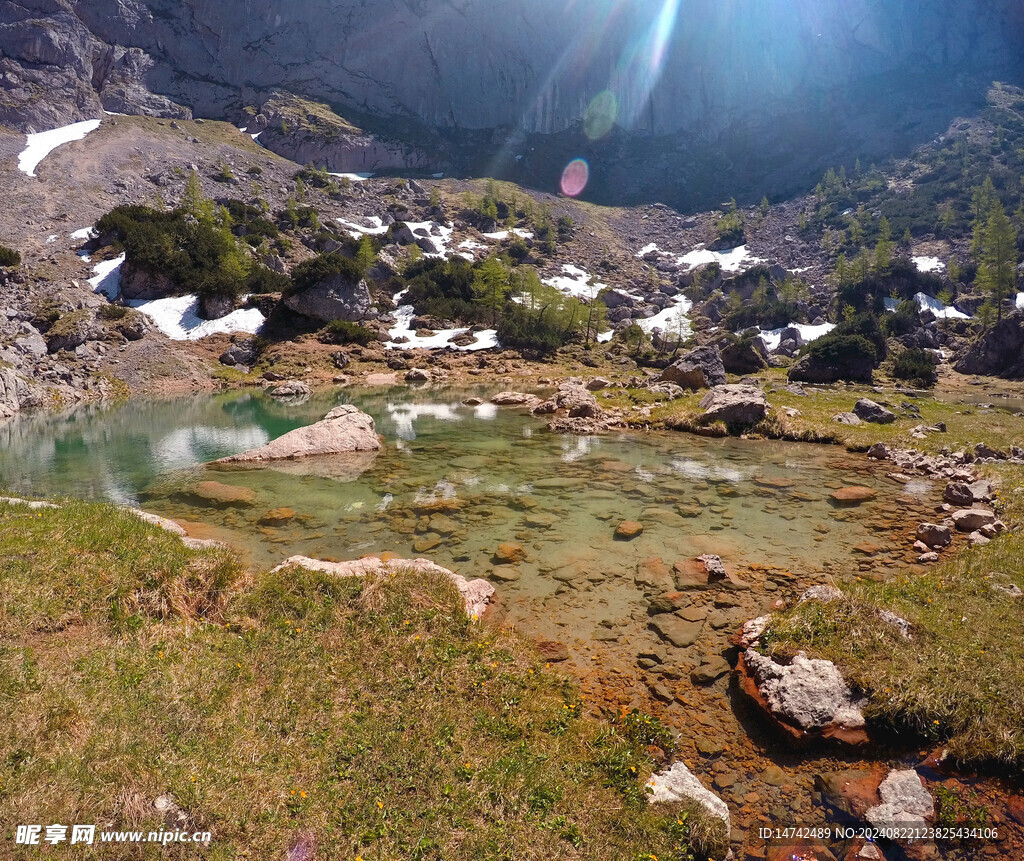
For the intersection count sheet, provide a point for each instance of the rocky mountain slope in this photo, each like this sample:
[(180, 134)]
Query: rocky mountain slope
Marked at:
[(655, 94)]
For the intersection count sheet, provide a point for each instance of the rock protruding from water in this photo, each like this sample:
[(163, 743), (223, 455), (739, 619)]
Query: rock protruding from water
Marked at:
[(701, 368), (476, 594), (739, 404), (343, 430), (680, 784), (807, 698)]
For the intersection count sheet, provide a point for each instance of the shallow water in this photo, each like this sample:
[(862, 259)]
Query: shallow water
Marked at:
[(454, 482)]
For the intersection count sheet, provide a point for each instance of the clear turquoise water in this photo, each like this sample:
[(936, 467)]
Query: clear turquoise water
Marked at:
[(453, 482)]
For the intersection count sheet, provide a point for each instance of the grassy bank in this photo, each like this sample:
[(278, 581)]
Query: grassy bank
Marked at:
[(966, 425), (369, 715), (959, 680)]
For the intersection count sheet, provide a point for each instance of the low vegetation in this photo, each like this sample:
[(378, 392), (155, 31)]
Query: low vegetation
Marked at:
[(9, 257), (958, 680), (368, 715)]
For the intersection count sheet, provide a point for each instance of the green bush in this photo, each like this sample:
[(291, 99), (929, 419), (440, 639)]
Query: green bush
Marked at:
[(843, 351), (113, 312), (520, 331), (9, 257), (344, 332), (917, 366), (311, 272), (200, 255)]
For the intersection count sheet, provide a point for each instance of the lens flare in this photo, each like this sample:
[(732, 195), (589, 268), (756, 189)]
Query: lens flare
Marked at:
[(600, 115), (575, 177)]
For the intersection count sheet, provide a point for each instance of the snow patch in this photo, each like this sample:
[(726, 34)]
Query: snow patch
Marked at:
[(574, 282), (672, 320), (773, 337), (377, 226), (485, 339), (930, 303), (1020, 301), (40, 145), (647, 249), (439, 234), (928, 264), (107, 277), (731, 260), (352, 177), (83, 235), (178, 318)]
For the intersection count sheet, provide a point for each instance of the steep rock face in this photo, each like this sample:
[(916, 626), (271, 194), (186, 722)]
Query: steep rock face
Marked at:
[(702, 68)]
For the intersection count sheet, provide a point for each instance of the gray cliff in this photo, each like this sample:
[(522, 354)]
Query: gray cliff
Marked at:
[(406, 68)]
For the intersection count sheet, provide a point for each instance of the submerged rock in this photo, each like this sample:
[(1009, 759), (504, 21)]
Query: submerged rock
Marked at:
[(343, 430)]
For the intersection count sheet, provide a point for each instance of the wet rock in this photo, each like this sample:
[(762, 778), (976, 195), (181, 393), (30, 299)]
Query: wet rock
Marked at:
[(933, 535), (276, 517), (701, 368), (224, 495), (508, 553), (958, 493), (906, 802), (506, 573), (476, 594), (675, 630), (851, 793), (849, 496), (652, 574), (710, 670), (806, 698), (971, 519), (870, 411), (678, 783), (344, 430), (552, 651), (735, 405), (628, 530), (862, 850)]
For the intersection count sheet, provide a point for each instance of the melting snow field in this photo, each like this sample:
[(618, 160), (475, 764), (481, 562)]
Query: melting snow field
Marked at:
[(773, 337), (178, 318), (40, 145), (439, 234), (929, 264), (352, 177), (924, 301), (376, 228), (499, 235), (672, 320), (106, 277), (574, 282), (485, 340), (731, 261)]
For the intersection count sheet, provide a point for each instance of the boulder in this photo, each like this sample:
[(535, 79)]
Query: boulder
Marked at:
[(628, 530), (241, 353), (678, 783), (476, 594), (290, 389), (850, 419), (933, 535), (806, 698), (515, 399), (970, 519), (958, 493), (998, 352), (508, 553), (906, 802), (335, 298), (701, 368), (343, 430), (418, 375), (745, 356), (598, 383), (869, 411), (11, 390), (735, 405)]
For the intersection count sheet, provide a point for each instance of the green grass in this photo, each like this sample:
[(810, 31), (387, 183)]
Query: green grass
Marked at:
[(960, 680), (371, 713)]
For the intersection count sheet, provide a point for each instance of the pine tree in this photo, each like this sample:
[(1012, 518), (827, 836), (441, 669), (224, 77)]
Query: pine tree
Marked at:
[(883, 248), (982, 199), (366, 256), (491, 285), (194, 203), (997, 271)]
